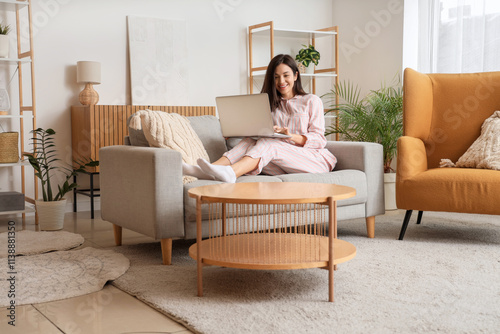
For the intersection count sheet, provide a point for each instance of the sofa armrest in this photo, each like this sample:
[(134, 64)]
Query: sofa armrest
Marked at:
[(142, 190), (366, 157)]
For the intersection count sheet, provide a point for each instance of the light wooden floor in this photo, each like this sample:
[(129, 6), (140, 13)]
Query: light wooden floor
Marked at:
[(107, 311)]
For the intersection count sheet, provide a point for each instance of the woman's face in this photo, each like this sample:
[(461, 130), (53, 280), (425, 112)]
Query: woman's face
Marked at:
[(284, 80)]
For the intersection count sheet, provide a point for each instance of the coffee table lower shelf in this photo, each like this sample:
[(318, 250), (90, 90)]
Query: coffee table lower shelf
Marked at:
[(272, 251)]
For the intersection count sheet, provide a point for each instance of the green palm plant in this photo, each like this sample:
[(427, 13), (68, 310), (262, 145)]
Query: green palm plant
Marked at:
[(44, 161), (378, 117)]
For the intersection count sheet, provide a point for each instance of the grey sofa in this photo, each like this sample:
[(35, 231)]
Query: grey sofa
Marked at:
[(142, 189)]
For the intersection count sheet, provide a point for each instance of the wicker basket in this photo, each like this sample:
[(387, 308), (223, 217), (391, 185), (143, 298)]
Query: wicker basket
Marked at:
[(9, 150)]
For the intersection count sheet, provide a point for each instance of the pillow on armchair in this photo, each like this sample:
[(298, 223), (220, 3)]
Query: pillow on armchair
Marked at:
[(485, 151)]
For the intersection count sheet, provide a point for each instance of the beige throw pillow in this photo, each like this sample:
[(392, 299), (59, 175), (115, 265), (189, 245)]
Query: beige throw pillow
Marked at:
[(485, 151), (172, 131)]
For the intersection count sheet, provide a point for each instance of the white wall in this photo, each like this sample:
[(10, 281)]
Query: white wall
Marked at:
[(67, 31), (371, 41)]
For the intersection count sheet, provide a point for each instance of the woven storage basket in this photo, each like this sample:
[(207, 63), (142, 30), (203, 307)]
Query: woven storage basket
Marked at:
[(9, 151)]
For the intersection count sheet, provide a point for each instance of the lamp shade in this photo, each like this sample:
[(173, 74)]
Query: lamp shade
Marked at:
[(88, 72)]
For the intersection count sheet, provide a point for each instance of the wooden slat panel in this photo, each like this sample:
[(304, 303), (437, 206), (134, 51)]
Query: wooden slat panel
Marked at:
[(95, 134)]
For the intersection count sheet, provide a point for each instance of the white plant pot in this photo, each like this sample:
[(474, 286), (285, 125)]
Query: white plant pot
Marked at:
[(310, 69), (51, 214), (390, 191), (4, 46)]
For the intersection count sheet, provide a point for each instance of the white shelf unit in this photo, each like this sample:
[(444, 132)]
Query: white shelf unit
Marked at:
[(26, 112), (267, 29), (15, 116), (11, 5)]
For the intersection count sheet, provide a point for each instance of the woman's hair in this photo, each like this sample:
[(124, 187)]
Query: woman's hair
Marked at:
[(269, 86)]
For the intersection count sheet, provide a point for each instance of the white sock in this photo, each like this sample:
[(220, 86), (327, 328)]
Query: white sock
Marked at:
[(195, 171), (221, 173)]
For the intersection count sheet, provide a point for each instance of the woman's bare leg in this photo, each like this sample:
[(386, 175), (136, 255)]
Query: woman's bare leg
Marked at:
[(245, 165), (223, 161)]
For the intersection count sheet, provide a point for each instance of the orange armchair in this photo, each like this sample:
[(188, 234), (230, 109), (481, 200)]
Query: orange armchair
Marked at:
[(442, 117)]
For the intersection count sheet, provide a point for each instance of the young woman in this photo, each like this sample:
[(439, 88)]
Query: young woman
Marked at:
[(295, 113)]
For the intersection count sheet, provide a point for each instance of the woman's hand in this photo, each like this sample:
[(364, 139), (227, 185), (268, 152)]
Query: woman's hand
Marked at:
[(299, 140), (284, 131)]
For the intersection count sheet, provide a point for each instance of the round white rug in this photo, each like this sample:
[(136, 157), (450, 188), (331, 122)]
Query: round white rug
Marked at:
[(58, 275), (32, 242)]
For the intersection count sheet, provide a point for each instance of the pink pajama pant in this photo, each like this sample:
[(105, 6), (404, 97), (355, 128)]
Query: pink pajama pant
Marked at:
[(279, 157)]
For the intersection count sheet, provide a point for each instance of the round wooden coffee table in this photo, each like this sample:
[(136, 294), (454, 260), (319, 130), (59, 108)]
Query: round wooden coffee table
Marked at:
[(270, 225)]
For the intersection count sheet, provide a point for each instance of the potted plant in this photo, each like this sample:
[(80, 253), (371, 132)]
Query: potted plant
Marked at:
[(378, 118), (4, 40), (51, 207), (306, 56)]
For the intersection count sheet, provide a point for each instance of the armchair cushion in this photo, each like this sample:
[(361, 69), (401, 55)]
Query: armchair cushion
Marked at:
[(451, 189)]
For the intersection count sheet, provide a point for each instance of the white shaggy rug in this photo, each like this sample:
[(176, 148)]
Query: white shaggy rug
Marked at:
[(444, 277), (32, 242), (58, 275)]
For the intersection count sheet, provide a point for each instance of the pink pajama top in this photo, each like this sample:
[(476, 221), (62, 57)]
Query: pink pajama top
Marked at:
[(304, 115)]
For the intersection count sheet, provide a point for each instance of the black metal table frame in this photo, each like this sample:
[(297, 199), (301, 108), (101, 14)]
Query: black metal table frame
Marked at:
[(91, 192)]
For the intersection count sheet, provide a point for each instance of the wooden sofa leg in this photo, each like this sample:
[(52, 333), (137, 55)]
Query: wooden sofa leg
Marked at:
[(166, 251), (118, 234), (370, 226)]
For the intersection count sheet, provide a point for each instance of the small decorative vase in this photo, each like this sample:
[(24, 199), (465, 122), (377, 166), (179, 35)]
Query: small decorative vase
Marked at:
[(51, 214), (4, 46), (390, 191)]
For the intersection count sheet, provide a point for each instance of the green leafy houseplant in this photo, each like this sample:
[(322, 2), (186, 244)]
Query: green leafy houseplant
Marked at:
[(378, 117), (307, 55), (44, 161), (4, 29)]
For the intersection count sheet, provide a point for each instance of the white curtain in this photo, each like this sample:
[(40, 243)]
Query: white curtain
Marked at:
[(458, 36)]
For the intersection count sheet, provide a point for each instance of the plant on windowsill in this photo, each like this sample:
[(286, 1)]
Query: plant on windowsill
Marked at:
[(378, 118), (43, 159), (306, 56), (4, 40)]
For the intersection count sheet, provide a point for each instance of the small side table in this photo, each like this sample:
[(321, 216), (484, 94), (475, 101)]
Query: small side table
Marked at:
[(91, 192)]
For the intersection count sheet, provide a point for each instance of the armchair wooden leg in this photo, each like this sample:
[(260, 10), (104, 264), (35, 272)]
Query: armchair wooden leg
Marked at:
[(166, 250), (370, 226), (405, 224), (118, 234), (419, 217)]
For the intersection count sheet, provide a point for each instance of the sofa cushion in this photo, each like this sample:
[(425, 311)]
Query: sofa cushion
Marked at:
[(208, 130), (348, 177), (135, 136)]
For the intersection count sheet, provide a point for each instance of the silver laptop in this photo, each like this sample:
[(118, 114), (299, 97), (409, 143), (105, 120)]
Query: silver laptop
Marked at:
[(246, 116)]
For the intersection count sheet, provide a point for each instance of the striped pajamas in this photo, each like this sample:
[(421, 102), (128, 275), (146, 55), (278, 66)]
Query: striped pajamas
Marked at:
[(302, 114)]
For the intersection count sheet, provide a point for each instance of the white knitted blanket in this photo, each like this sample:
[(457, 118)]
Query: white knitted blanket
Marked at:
[(172, 131), (485, 151)]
